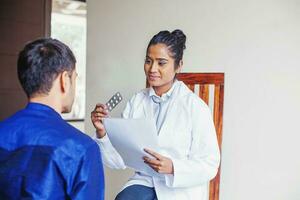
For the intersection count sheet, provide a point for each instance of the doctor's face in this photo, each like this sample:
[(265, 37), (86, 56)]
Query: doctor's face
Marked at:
[(160, 68)]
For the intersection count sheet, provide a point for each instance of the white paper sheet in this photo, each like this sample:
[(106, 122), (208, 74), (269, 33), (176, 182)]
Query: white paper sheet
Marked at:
[(129, 137)]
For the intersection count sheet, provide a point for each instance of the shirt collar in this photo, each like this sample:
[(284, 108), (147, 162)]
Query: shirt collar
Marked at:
[(42, 107), (165, 96)]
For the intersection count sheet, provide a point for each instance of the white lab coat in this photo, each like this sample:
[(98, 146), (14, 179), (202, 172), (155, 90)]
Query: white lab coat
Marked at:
[(187, 136)]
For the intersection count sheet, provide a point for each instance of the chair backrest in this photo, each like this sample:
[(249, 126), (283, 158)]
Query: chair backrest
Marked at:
[(203, 83)]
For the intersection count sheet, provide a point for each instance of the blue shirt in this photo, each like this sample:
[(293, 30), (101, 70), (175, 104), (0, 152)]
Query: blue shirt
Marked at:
[(43, 157)]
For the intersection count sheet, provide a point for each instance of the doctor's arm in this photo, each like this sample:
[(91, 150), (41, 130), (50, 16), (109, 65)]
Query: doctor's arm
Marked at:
[(111, 158)]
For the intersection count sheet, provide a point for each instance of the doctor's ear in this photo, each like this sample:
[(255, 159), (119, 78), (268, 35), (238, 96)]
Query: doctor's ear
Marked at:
[(179, 67)]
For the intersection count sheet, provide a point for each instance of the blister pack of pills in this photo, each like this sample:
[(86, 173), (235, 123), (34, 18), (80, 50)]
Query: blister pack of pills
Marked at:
[(114, 101)]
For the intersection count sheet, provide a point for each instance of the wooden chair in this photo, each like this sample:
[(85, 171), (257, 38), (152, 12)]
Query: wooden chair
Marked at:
[(206, 81)]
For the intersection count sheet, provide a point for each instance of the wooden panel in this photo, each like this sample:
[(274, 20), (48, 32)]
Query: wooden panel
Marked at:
[(11, 101), (218, 120), (47, 17), (204, 93), (16, 34), (9, 77), (192, 87), (20, 21), (201, 78), (214, 187), (29, 11), (218, 111)]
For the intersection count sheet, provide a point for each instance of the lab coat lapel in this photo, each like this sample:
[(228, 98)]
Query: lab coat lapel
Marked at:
[(180, 90), (168, 119), (170, 115), (147, 108)]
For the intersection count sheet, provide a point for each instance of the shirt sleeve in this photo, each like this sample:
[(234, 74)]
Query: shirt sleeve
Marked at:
[(111, 157), (89, 178), (202, 163)]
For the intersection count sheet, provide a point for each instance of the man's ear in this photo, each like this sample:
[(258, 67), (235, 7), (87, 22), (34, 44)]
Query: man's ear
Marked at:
[(64, 81)]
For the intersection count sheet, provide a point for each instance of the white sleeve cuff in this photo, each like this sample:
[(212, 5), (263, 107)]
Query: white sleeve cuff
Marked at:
[(103, 142), (110, 156), (169, 178)]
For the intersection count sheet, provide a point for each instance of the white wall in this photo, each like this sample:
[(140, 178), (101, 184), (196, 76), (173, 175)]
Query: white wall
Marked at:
[(256, 43)]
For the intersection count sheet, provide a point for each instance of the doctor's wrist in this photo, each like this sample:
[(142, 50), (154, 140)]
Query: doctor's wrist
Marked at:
[(100, 133)]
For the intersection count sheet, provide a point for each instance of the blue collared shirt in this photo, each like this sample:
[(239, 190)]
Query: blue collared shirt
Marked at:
[(43, 157)]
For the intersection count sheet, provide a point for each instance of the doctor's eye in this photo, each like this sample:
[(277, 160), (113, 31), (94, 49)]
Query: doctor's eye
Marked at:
[(147, 61), (161, 63)]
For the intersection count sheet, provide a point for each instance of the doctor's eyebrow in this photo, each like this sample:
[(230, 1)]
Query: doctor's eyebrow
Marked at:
[(160, 59)]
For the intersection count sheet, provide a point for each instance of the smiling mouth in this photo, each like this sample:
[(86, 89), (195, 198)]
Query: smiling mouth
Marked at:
[(152, 78)]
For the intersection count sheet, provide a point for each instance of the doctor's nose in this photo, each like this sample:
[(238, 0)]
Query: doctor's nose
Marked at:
[(153, 67)]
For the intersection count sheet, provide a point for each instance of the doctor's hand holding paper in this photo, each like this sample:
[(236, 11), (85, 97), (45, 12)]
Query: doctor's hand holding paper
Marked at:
[(159, 163), (188, 155)]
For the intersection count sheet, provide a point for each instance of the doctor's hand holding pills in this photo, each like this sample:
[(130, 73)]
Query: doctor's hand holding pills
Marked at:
[(97, 116), (101, 111)]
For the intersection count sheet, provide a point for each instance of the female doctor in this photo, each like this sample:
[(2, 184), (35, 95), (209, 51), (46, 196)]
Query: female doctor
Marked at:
[(189, 156)]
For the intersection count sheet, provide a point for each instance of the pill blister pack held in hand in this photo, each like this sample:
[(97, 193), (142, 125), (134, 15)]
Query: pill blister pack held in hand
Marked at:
[(114, 101)]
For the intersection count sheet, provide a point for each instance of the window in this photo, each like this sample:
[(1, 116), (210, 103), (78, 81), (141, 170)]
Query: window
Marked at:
[(68, 24)]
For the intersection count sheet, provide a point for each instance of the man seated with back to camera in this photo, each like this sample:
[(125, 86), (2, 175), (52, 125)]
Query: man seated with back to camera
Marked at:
[(42, 156)]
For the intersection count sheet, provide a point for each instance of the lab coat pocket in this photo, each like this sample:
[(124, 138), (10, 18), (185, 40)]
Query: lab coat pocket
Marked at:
[(182, 140)]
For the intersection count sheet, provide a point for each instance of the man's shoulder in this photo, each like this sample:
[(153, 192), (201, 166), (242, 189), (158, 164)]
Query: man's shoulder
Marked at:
[(69, 136), (78, 136), (54, 132)]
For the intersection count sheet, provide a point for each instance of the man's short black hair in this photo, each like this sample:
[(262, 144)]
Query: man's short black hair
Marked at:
[(40, 62)]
